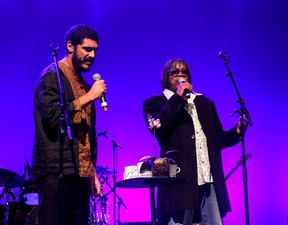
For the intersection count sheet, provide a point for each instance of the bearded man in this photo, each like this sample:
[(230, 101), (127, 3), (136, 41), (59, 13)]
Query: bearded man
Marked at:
[(79, 155)]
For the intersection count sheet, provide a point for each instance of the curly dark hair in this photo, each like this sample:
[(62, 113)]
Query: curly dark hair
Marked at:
[(170, 65), (77, 33)]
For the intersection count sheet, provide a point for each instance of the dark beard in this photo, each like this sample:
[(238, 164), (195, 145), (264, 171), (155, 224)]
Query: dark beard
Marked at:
[(77, 63)]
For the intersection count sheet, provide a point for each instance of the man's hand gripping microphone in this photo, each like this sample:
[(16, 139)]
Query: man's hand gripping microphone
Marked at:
[(103, 101), (186, 92)]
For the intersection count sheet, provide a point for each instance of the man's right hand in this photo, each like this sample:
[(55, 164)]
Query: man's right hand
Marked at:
[(182, 86), (96, 91)]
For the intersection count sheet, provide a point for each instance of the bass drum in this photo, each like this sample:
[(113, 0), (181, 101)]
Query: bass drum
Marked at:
[(32, 217)]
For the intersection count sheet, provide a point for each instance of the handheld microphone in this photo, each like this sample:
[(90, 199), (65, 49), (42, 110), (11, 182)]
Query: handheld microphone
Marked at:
[(222, 55), (103, 101), (186, 92)]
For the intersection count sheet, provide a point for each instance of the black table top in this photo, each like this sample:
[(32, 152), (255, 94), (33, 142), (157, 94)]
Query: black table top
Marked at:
[(144, 182)]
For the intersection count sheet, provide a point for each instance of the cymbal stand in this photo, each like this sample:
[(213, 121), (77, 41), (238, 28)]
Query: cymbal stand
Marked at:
[(103, 180), (7, 192), (120, 201), (115, 145), (2, 194)]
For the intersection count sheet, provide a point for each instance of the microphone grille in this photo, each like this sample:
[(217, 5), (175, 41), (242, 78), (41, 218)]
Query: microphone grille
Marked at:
[(181, 80), (96, 77)]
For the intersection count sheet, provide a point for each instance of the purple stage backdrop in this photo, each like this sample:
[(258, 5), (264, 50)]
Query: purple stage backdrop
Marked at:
[(136, 39)]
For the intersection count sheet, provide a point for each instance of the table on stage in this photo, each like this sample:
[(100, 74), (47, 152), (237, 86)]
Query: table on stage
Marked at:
[(150, 182)]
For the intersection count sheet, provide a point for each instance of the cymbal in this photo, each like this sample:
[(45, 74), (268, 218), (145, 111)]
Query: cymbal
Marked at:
[(104, 170), (10, 179)]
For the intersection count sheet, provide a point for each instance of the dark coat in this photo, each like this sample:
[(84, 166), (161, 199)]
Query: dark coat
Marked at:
[(177, 133), (45, 158)]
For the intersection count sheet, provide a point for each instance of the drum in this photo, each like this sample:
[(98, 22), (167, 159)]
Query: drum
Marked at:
[(2, 214), (16, 214), (32, 217), (29, 194), (101, 211)]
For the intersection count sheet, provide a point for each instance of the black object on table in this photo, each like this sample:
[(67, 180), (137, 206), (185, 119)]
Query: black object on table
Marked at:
[(150, 182)]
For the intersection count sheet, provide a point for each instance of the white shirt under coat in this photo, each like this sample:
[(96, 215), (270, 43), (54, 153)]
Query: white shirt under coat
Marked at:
[(203, 164)]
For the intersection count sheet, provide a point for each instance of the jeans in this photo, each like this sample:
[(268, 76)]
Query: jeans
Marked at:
[(209, 210)]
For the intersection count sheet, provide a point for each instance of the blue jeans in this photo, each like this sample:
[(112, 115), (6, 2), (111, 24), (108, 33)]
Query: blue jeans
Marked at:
[(209, 210)]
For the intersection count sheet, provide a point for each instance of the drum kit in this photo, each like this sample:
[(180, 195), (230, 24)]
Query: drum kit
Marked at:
[(24, 211), (101, 211), (15, 212)]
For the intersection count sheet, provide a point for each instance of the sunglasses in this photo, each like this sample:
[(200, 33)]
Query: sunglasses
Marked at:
[(175, 73)]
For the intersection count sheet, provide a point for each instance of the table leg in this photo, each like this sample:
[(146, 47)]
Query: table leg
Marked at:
[(152, 202)]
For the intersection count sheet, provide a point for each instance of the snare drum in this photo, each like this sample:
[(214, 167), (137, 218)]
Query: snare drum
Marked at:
[(29, 194)]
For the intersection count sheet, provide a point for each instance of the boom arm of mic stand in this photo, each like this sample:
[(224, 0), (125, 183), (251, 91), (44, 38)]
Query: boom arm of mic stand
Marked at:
[(115, 144), (243, 109)]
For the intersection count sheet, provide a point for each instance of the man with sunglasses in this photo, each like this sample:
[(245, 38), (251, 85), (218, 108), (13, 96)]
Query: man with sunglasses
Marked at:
[(191, 126)]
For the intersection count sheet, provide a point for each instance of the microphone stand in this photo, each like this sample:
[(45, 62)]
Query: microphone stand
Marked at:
[(243, 112), (115, 145), (63, 129)]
